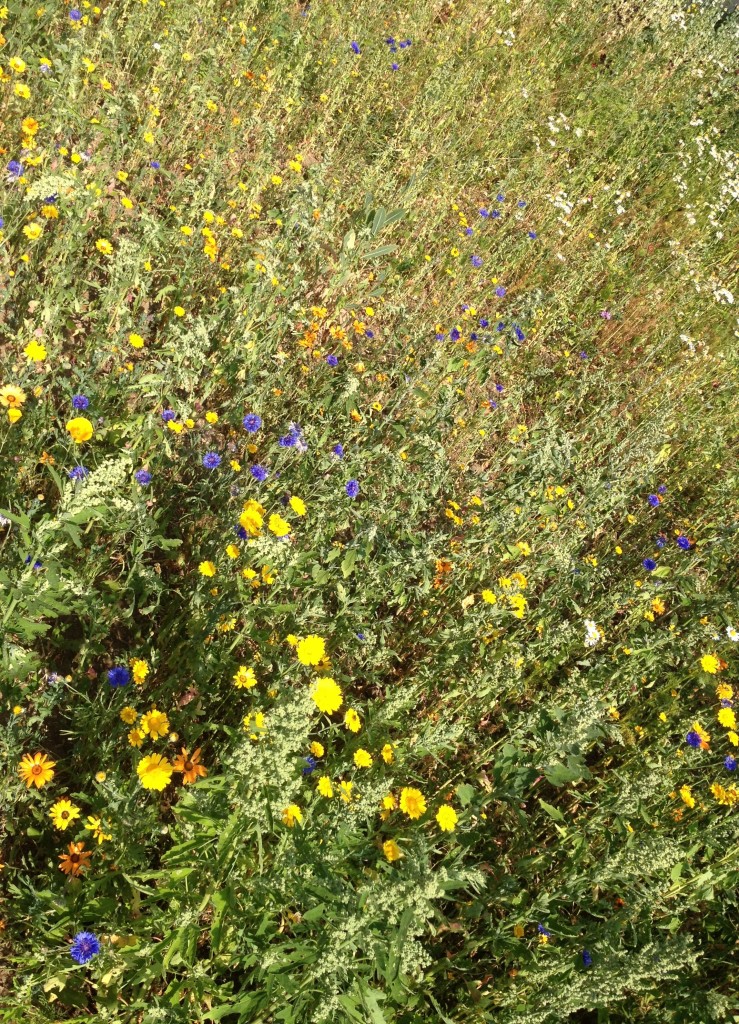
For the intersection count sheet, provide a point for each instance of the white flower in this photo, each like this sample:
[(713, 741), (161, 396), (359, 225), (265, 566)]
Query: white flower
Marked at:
[(593, 635), (732, 634)]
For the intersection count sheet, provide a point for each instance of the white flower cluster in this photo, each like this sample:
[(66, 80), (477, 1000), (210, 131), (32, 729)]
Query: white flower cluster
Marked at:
[(592, 634)]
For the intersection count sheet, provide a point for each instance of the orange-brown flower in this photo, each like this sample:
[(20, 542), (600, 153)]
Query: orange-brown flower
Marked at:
[(76, 861), (189, 766)]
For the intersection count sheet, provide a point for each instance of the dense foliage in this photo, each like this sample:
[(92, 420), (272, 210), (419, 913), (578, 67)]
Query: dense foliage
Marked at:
[(368, 558)]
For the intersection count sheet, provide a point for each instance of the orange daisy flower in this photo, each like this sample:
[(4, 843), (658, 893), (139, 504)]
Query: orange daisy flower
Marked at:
[(76, 861), (189, 766)]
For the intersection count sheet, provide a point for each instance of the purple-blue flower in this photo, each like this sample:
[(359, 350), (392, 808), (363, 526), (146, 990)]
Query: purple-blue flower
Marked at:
[(395, 67), (15, 169), (649, 564), (259, 473), (653, 500), (355, 48), (500, 197), (80, 401), (119, 675), (476, 261), (75, 15), (78, 473), (352, 488), (154, 164), (142, 476), (730, 763), (484, 212), (532, 234), (587, 959), (84, 947), (683, 542), (211, 460), (454, 334), (252, 422), (500, 291), (484, 322), (495, 214), (661, 541), (168, 415), (338, 450), (693, 739), (332, 360), (519, 333)]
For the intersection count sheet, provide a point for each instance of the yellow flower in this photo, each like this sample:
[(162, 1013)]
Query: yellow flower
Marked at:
[(255, 721), (327, 695), (297, 505), (33, 231), (22, 90), (489, 597), (155, 724), (17, 64), (686, 796), (136, 341), (316, 749), (154, 771), (104, 246), (14, 415), (140, 670), (135, 737), (36, 770), (178, 311), (324, 786), (95, 825), (391, 850), (63, 813), (446, 817), (232, 551), (35, 352), (30, 126), (244, 678), (732, 738), (728, 797), (346, 793), (311, 649), (389, 802), (524, 548), (352, 721), (723, 691), (710, 664), (278, 526), (387, 753), (727, 718), (129, 715), (291, 815), (211, 417), (11, 397), (412, 802), (363, 758), (80, 429), (252, 518), (207, 569)]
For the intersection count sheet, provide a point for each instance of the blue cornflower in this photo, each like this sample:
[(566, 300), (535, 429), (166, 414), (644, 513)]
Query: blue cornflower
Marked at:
[(15, 169), (730, 763), (492, 404), (142, 476), (587, 959), (288, 440), (519, 333), (473, 336), (168, 415), (395, 67), (661, 541), (454, 334), (252, 422), (355, 48), (683, 543), (693, 739), (440, 336), (352, 488), (500, 291), (484, 322), (80, 401), (259, 473), (405, 43), (495, 214), (653, 500), (583, 355), (2, 223), (476, 261), (119, 675), (500, 326), (310, 764), (240, 532), (662, 489), (78, 473), (369, 334), (499, 388), (154, 164), (484, 212), (75, 15), (390, 41), (542, 930), (84, 947), (520, 204), (532, 234), (211, 460), (332, 360), (649, 564), (338, 450), (500, 197), (726, 703), (360, 636), (469, 232)]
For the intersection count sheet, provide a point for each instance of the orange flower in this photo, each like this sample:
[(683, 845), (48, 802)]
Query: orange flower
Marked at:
[(189, 766), (76, 861), (36, 770)]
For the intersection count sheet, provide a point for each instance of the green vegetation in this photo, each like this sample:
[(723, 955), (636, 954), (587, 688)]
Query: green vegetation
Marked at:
[(368, 558)]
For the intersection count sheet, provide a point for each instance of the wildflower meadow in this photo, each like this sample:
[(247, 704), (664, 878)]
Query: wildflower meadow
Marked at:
[(369, 550)]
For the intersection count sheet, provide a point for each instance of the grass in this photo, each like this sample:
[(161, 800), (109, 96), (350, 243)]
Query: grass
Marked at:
[(518, 246)]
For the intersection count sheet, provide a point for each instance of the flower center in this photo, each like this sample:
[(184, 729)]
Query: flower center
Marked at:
[(75, 858), (188, 766), (36, 770), (64, 815)]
